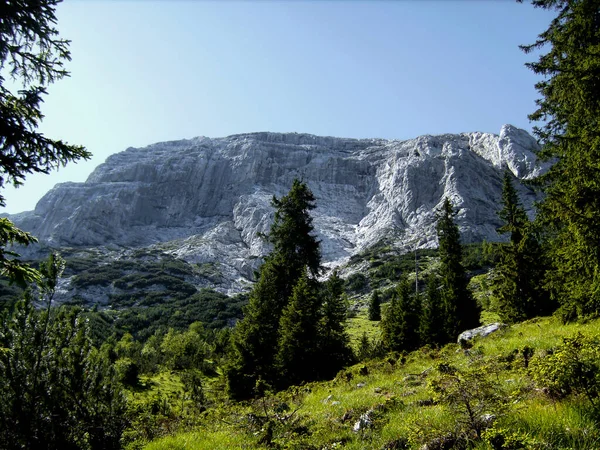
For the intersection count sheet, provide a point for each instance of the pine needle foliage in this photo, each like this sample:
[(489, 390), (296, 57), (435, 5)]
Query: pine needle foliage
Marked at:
[(334, 341), (460, 308), (57, 390), (375, 306), (519, 273), (433, 330), (293, 329), (33, 56), (569, 106), (298, 353), (400, 327)]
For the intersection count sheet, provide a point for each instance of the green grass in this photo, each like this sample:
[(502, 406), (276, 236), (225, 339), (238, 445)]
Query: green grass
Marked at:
[(360, 324), (397, 392), (202, 440)]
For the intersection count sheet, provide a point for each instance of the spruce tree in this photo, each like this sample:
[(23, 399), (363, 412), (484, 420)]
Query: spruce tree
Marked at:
[(295, 250), (33, 56), (254, 339), (460, 308), (364, 347), (297, 357), (433, 326), (518, 274), (400, 327), (570, 138), (334, 342), (291, 235), (375, 306)]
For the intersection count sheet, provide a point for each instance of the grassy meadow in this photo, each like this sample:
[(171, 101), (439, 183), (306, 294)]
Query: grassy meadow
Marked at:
[(393, 403)]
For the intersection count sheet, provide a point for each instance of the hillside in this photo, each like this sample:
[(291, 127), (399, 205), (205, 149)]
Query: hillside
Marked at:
[(414, 401)]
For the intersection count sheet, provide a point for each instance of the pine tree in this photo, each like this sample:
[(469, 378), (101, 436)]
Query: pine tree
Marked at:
[(375, 306), (334, 342), (400, 327), (433, 326), (297, 357), (460, 308), (364, 348), (570, 107), (33, 56), (295, 250), (291, 235), (254, 339), (518, 274)]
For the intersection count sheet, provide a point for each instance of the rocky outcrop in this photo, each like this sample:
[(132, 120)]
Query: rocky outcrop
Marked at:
[(207, 200), (479, 332)]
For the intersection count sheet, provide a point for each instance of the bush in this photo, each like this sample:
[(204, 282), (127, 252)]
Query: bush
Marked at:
[(127, 372), (572, 368), (357, 282), (473, 397)]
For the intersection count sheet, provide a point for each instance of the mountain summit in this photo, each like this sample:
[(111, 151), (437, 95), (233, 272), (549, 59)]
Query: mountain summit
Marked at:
[(208, 200)]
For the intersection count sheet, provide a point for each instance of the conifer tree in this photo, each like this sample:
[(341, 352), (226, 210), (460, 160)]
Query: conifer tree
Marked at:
[(364, 347), (297, 357), (254, 339), (518, 282), (294, 244), (433, 326), (33, 56), (375, 306), (334, 342), (400, 327), (570, 107), (295, 250), (460, 308), (57, 390)]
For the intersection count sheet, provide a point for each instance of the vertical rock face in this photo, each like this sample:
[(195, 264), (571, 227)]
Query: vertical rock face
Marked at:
[(208, 200)]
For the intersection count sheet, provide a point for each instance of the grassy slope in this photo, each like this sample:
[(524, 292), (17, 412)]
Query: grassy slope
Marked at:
[(323, 414)]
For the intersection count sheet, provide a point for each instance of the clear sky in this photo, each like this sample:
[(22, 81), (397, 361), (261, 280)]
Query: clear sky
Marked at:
[(147, 71)]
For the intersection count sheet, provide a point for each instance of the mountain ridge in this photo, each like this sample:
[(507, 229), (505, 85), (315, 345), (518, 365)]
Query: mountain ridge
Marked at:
[(207, 200)]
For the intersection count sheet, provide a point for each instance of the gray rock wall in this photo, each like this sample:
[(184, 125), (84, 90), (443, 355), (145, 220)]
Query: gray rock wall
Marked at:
[(207, 200)]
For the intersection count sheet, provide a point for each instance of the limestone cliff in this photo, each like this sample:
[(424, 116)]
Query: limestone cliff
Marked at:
[(207, 200)]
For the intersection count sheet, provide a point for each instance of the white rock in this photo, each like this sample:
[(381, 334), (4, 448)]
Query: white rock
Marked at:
[(208, 200), (483, 331)]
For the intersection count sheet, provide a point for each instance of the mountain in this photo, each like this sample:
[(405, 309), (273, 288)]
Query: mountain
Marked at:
[(206, 201)]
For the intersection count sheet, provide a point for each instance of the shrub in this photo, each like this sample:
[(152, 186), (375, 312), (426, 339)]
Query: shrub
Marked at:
[(572, 368), (473, 397)]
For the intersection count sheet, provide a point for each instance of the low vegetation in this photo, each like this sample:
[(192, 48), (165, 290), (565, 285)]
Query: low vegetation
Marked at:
[(491, 396)]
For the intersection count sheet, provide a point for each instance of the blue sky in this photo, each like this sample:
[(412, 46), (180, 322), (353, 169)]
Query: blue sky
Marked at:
[(147, 71)]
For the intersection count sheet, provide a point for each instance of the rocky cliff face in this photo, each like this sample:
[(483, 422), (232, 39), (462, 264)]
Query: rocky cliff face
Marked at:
[(207, 200)]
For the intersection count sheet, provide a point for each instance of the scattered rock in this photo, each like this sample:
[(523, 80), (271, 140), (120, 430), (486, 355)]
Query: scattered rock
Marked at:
[(377, 390), (364, 421), (361, 385), (412, 380), (483, 331), (445, 442)]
